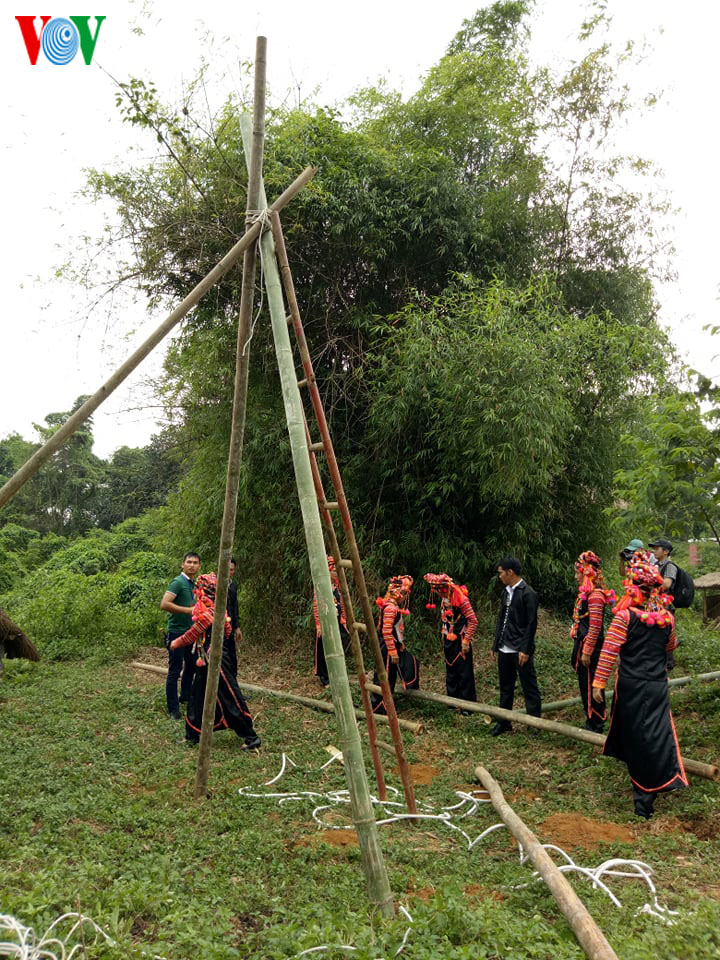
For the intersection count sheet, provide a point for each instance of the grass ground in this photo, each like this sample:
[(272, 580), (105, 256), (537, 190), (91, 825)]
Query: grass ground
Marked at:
[(96, 816)]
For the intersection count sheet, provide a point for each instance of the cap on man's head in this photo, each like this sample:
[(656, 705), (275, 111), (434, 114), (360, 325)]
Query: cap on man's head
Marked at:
[(635, 545), (662, 542)]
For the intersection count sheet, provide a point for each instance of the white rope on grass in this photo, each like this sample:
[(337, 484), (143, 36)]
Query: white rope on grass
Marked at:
[(51, 945), (467, 806)]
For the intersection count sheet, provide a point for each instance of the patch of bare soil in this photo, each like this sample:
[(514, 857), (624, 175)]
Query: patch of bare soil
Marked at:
[(572, 830), (522, 794), (476, 891), (421, 773), (336, 838), (424, 893)]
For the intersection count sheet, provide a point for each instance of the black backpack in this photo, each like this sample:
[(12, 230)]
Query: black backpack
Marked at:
[(684, 589)]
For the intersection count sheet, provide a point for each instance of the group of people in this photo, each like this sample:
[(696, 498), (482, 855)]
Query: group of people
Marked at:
[(190, 603), (640, 637), (513, 648)]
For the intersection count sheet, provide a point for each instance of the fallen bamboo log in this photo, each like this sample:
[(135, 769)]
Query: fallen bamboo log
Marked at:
[(707, 770), (322, 705), (588, 934), (673, 682)]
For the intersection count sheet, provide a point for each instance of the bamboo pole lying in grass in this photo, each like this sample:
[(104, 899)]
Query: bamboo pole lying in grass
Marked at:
[(588, 934), (324, 705), (31, 466), (707, 770), (672, 682)]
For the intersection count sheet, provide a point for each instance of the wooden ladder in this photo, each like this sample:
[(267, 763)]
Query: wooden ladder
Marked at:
[(340, 505)]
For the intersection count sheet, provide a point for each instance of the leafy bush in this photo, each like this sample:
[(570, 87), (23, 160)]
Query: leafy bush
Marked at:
[(97, 597)]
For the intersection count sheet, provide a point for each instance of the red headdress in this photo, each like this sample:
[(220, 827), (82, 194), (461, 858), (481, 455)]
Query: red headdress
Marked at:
[(398, 592), (589, 565), (206, 586), (644, 592), (445, 587)]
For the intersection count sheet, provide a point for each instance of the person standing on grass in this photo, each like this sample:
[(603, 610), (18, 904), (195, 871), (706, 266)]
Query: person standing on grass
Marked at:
[(178, 602), (588, 631), (514, 645), (662, 548), (231, 709), (320, 666), (457, 625), (642, 732), (391, 634)]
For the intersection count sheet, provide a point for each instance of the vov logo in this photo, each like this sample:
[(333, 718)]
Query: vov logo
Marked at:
[(59, 37)]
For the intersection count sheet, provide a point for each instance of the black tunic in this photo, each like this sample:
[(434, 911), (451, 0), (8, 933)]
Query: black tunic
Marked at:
[(407, 666), (642, 732), (459, 669), (231, 709)]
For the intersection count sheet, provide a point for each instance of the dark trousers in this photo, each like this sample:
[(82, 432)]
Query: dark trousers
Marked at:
[(179, 661), (508, 672)]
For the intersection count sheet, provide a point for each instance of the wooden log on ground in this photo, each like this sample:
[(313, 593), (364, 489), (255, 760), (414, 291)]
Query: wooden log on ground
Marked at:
[(588, 934), (708, 771), (672, 683), (323, 705)]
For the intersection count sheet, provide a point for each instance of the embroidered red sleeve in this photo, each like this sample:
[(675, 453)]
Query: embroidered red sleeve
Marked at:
[(614, 639), (316, 614), (472, 621), (673, 641), (195, 633), (343, 619), (596, 609), (389, 615)]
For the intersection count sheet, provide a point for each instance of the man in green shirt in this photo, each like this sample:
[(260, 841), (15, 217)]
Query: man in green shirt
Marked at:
[(179, 600)]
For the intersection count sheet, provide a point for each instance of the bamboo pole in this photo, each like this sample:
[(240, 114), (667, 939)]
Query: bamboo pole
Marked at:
[(349, 607), (588, 934), (237, 430), (344, 510), (378, 885), (83, 413), (706, 770), (323, 705), (672, 682)]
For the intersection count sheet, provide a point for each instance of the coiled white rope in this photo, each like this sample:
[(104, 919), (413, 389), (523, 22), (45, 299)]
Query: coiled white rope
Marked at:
[(467, 806), (52, 945)]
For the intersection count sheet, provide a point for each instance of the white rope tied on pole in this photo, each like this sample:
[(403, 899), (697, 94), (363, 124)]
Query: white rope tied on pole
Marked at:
[(252, 217), (467, 805)]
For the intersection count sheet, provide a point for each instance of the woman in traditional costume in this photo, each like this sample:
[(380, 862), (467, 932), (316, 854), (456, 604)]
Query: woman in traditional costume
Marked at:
[(320, 669), (642, 732), (391, 634), (587, 633), (231, 709), (457, 627)]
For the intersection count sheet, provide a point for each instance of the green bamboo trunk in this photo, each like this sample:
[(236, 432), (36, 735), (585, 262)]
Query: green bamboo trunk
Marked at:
[(362, 811)]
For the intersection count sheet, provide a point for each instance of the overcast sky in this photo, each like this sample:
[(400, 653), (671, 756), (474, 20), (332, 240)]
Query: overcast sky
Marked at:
[(57, 120)]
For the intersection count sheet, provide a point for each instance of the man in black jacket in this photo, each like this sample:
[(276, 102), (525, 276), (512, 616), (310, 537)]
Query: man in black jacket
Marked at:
[(514, 644)]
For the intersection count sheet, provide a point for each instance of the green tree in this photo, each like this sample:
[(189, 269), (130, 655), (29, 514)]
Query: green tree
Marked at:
[(670, 478), (446, 208)]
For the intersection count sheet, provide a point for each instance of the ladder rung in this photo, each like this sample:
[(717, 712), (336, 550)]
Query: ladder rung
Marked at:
[(331, 505), (302, 383), (348, 564), (317, 446), (289, 318), (360, 627)]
